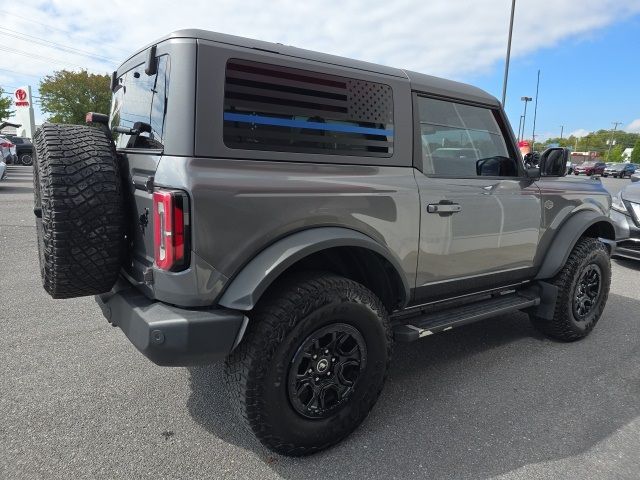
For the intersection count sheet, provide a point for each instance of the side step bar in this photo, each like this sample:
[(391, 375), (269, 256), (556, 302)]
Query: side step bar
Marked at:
[(430, 323)]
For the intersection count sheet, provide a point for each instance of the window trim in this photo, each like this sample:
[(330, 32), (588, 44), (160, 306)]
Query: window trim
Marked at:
[(503, 125)]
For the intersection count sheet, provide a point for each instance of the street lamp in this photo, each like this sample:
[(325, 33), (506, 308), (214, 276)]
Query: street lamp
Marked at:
[(506, 63), (524, 115), (561, 131)]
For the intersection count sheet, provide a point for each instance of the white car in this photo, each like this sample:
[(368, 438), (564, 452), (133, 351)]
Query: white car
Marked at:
[(3, 170)]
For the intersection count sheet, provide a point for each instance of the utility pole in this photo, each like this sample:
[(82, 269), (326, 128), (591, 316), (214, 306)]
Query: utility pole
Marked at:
[(524, 115), (506, 63), (535, 114), (613, 136), (561, 131)]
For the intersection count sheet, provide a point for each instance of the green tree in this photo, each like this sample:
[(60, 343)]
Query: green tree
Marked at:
[(5, 106), (635, 155), (615, 155), (67, 96)]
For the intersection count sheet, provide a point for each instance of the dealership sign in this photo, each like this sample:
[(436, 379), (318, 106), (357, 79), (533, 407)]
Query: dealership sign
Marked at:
[(22, 97)]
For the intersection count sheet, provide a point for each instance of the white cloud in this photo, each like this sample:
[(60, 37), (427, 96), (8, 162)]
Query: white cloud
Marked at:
[(579, 133), (633, 127), (439, 37)]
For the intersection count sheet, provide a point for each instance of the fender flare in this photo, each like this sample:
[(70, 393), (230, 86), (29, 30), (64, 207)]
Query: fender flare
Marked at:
[(566, 238), (244, 291)]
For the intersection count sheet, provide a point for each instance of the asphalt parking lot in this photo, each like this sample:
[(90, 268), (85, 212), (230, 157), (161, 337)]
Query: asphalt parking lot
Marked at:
[(489, 400)]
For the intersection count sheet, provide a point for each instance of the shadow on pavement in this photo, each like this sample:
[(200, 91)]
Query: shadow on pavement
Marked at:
[(628, 263), (471, 403)]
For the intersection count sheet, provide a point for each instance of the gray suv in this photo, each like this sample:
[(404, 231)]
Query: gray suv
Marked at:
[(295, 213)]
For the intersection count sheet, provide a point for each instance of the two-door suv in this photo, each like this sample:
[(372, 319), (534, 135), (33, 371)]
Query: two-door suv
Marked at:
[(295, 213)]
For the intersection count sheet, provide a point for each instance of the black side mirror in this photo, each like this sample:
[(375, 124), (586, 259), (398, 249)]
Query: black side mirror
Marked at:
[(553, 162)]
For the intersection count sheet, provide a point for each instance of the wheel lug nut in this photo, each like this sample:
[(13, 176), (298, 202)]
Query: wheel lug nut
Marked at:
[(310, 370), (317, 379), (326, 351), (333, 359), (315, 356)]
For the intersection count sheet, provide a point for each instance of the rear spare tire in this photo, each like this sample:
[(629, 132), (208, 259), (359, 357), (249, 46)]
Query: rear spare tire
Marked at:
[(79, 208)]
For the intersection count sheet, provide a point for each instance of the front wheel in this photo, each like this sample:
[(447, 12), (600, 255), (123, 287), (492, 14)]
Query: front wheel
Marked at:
[(312, 363), (26, 159), (583, 288)]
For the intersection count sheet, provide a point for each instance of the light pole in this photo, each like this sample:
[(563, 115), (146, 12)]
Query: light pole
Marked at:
[(506, 63), (561, 131), (535, 115), (524, 115), (613, 136)]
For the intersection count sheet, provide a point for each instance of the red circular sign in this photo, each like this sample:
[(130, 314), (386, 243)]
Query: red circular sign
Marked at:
[(21, 94)]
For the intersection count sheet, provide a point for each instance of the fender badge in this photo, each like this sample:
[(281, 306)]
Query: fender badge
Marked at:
[(548, 204)]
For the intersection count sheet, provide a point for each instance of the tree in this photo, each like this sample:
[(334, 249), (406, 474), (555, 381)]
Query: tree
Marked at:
[(635, 155), (67, 96), (5, 106), (615, 155)]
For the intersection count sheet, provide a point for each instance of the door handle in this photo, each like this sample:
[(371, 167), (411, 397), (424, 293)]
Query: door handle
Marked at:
[(443, 208)]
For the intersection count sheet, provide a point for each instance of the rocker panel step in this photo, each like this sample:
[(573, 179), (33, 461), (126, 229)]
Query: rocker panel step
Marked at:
[(424, 325)]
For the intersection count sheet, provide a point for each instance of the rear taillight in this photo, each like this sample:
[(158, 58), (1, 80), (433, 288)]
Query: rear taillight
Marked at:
[(170, 230), (6, 144)]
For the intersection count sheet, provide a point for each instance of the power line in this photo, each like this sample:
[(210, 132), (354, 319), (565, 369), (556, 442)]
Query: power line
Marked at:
[(36, 56), (59, 46), (21, 73)]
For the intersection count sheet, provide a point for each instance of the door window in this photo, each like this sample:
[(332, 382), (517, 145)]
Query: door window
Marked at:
[(462, 141)]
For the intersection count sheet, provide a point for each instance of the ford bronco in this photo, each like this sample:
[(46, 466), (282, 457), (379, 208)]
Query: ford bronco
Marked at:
[(295, 213)]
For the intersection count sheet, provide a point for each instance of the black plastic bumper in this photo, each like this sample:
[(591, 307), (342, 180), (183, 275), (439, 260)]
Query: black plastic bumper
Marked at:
[(172, 336)]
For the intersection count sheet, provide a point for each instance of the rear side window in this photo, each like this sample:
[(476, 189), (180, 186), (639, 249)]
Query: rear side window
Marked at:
[(140, 102), (275, 108), (461, 140)]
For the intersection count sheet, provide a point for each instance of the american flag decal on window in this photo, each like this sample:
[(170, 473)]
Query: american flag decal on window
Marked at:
[(270, 107)]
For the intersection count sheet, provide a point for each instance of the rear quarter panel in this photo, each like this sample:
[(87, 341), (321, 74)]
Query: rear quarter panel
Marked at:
[(241, 206)]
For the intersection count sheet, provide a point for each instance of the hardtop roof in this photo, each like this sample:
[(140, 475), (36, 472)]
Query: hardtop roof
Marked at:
[(419, 81)]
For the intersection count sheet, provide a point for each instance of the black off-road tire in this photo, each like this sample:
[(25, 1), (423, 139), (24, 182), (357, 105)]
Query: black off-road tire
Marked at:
[(79, 207), (257, 372), (566, 324)]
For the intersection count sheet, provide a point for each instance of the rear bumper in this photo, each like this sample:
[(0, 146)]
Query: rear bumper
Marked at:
[(168, 335)]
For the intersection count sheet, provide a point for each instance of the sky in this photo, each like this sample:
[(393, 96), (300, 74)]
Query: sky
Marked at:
[(587, 51)]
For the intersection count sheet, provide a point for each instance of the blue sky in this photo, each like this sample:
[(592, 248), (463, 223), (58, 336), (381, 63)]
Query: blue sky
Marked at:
[(587, 51), (586, 82)]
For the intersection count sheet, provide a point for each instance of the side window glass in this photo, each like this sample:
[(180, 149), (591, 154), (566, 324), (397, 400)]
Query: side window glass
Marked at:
[(140, 102), (462, 141), (276, 108)]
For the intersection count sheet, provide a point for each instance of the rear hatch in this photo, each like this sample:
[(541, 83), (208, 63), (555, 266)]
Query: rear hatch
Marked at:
[(138, 119)]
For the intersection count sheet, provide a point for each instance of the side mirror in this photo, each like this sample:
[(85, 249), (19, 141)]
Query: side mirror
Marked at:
[(553, 162)]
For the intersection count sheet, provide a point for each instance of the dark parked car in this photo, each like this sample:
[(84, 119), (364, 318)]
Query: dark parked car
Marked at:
[(620, 170), (24, 149), (294, 213), (625, 213), (590, 168)]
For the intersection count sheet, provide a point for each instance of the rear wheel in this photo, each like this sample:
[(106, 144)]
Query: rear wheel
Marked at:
[(583, 288), (312, 363), (78, 203)]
